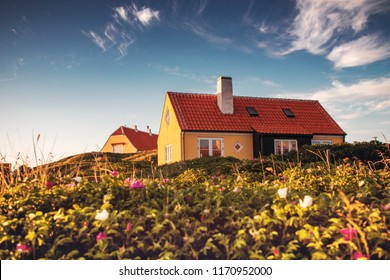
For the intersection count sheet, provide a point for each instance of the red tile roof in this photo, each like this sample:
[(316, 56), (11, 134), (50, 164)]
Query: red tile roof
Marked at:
[(200, 112), (141, 140)]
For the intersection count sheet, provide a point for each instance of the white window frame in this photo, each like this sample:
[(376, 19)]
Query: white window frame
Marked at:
[(168, 117), (168, 153), (117, 148), (290, 141), (210, 144), (321, 142)]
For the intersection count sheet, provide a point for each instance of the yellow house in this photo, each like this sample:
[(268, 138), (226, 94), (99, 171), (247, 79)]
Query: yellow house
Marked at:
[(130, 140), (198, 125)]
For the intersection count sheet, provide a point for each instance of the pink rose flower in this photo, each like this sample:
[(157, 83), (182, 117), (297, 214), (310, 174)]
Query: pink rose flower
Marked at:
[(23, 248), (349, 233), (49, 185), (359, 256), (136, 184), (102, 235), (129, 227)]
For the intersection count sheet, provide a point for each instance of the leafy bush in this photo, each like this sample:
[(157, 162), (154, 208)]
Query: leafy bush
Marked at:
[(206, 209), (369, 152)]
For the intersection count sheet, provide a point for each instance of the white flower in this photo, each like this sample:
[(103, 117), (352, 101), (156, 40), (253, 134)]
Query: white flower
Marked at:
[(102, 216), (282, 192), (307, 201), (77, 179), (361, 183)]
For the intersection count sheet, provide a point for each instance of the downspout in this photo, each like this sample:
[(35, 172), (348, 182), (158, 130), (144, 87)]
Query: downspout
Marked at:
[(261, 148), (182, 146)]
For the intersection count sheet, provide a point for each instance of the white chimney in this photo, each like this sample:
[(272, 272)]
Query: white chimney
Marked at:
[(225, 95), (149, 130)]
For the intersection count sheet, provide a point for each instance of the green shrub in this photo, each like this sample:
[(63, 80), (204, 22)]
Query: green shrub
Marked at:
[(213, 208)]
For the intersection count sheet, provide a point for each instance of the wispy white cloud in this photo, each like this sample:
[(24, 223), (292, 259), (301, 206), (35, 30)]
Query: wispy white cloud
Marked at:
[(365, 50), (121, 13), (319, 22), (10, 68), (208, 35), (264, 82), (318, 25), (121, 32), (23, 28), (202, 6), (177, 71), (145, 15), (347, 102), (96, 39)]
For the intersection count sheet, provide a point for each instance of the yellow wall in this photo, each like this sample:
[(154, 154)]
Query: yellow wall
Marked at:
[(117, 139), (169, 134), (336, 139), (229, 140)]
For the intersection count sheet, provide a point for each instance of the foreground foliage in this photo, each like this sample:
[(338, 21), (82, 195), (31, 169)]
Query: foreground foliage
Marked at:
[(254, 210)]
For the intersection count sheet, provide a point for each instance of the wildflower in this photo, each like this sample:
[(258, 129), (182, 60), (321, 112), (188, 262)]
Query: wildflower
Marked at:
[(70, 186), (385, 207), (236, 190), (307, 201), (102, 216), (77, 179), (293, 202), (361, 183), (49, 185), (128, 181), (221, 189), (349, 233), (348, 164), (136, 184), (276, 252), (129, 227), (114, 173), (282, 192), (165, 181), (359, 256), (102, 235), (23, 248), (283, 179)]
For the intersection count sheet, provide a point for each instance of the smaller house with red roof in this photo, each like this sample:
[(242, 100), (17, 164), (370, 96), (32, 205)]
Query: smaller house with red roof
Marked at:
[(130, 140), (199, 125)]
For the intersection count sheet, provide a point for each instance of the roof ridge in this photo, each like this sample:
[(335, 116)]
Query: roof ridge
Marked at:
[(277, 98), (122, 127), (191, 93), (244, 96)]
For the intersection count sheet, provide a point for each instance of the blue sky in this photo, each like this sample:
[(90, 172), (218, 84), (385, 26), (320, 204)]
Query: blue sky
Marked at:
[(72, 72)]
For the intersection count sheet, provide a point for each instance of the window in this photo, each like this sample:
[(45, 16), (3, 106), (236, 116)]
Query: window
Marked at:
[(288, 113), (210, 147), (238, 147), (252, 111), (168, 153), (285, 146), (167, 117), (117, 148), (321, 142)]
